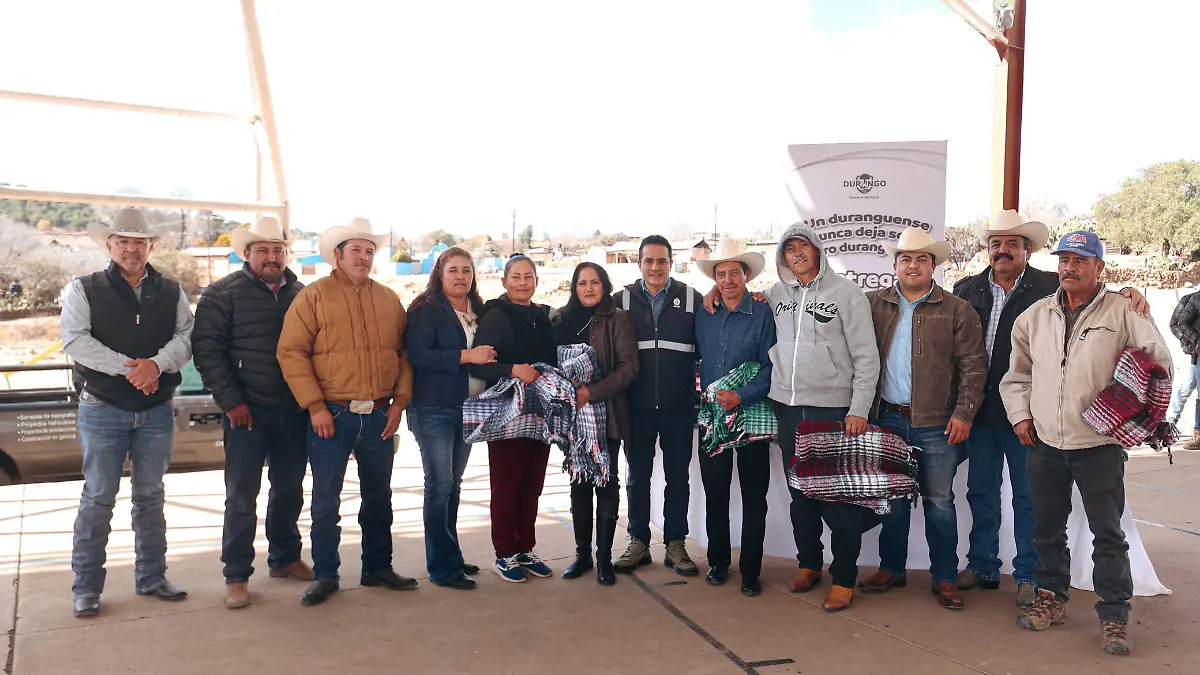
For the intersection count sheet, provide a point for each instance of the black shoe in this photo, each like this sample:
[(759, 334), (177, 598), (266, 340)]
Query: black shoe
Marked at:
[(469, 569), (318, 591), (605, 574), (460, 582), (751, 587), (576, 569), (88, 605), (166, 592), (716, 575), (388, 579)]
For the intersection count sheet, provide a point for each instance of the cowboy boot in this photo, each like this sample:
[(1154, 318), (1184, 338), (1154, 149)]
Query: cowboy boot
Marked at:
[(606, 529), (581, 518)]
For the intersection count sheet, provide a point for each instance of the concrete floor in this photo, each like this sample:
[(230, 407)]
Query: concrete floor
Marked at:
[(654, 621)]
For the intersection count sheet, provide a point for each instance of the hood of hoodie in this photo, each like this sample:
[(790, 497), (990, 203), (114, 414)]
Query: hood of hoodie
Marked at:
[(796, 231)]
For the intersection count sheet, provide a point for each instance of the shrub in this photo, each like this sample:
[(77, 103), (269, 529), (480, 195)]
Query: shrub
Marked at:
[(42, 281), (178, 266)]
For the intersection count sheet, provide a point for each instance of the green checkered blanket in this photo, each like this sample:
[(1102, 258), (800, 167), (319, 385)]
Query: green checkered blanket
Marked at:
[(720, 428)]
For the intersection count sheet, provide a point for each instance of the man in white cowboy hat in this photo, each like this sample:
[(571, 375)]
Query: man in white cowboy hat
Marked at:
[(126, 369), (342, 354), (741, 331), (1000, 294), (933, 367), (238, 322)]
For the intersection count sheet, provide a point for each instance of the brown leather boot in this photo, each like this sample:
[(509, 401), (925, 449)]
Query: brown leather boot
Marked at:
[(298, 570), (947, 595), (237, 595), (881, 582), (839, 598), (804, 580)]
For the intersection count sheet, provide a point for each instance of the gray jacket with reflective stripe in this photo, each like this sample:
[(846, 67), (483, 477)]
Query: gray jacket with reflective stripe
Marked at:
[(666, 350)]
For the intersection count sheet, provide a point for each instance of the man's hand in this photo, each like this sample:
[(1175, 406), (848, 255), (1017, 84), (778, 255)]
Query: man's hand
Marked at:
[(582, 395), (1137, 301), (239, 416), (393, 424), (728, 399), (957, 430), (525, 373), (1025, 431), (479, 355), (322, 423), (145, 372), (855, 426)]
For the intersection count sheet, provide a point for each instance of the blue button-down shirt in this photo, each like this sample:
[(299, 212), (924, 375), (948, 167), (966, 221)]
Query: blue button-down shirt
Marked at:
[(897, 379), (728, 339), (657, 302)]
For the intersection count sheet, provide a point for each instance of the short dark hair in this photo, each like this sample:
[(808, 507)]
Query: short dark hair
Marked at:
[(516, 258), (655, 240)]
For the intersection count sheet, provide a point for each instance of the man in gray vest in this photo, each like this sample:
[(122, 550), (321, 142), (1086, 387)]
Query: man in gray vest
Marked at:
[(126, 370)]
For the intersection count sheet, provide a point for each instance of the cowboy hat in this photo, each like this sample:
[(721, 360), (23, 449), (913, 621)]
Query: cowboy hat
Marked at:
[(917, 240), (733, 250), (359, 228), (266, 229), (129, 222), (1009, 222)]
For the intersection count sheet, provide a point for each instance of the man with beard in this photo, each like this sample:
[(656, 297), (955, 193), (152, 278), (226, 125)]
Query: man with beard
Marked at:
[(1000, 294), (1064, 353), (238, 321), (126, 369)]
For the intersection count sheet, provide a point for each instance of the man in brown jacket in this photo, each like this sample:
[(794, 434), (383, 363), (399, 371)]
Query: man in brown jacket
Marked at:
[(342, 354), (933, 368)]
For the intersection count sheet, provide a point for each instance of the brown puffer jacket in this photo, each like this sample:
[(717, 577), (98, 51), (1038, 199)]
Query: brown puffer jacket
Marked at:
[(614, 337), (342, 342)]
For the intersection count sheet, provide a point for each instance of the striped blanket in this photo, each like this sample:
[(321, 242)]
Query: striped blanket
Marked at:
[(869, 470), (721, 429), (1133, 407)]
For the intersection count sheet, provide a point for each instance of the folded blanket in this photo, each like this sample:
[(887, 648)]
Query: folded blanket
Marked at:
[(721, 429), (870, 469), (1133, 407)]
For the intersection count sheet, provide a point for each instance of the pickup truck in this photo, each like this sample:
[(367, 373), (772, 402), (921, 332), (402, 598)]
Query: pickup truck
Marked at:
[(39, 438)]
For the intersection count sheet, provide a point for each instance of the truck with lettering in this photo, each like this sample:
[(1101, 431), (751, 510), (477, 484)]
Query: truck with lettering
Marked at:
[(39, 434)]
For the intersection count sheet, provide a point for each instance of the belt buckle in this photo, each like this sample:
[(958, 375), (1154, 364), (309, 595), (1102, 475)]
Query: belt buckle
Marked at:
[(362, 407)]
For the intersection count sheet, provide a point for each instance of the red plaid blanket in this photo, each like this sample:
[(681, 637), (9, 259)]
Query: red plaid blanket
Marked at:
[(1133, 407), (869, 470)]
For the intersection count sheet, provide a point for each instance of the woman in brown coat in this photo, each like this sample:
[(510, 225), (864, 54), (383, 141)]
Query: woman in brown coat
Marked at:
[(591, 317)]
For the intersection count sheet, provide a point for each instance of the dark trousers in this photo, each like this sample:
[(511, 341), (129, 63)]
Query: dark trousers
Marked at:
[(672, 429), (277, 440), (518, 470), (1100, 475), (754, 475), (608, 502)]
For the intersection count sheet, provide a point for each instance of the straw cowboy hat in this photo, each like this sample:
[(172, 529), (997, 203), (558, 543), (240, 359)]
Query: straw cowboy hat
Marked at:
[(266, 229), (1009, 222), (359, 228), (916, 240), (732, 250), (129, 222)]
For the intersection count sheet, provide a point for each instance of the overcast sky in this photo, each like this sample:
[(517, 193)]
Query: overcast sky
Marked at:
[(633, 116)]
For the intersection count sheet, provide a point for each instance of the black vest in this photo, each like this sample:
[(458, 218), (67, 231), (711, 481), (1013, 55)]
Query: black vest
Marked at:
[(137, 330), (666, 350)]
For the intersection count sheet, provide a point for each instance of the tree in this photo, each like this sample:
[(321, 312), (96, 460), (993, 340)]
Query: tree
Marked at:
[(223, 240), (401, 250), (444, 237), (45, 225), (964, 243), (525, 238), (177, 265), (1157, 207), (42, 281)]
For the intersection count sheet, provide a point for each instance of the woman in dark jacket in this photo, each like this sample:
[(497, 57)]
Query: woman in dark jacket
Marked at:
[(522, 335), (591, 317), (440, 337)]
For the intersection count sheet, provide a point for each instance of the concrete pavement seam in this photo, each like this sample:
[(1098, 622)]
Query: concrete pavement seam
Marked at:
[(12, 630)]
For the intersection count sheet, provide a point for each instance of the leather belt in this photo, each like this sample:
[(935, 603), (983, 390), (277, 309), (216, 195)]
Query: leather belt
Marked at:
[(892, 407), (375, 405)]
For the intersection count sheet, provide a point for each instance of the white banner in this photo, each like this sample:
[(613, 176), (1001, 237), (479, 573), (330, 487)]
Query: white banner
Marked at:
[(859, 195)]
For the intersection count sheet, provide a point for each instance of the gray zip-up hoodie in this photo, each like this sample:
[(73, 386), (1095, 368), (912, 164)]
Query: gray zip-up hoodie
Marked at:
[(826, 353)]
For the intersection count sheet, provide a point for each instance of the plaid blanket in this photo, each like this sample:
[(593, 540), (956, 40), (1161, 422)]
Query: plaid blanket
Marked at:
[(546, 411), (869, 470), (720, 428), (1133, 407)]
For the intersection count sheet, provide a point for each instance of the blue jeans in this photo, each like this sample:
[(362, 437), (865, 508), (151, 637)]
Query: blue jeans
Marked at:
[(277, 440), (444, 455), (672, 429), (109, 435), (988, 449), (938, 463), (328, 457), (1183, 391)]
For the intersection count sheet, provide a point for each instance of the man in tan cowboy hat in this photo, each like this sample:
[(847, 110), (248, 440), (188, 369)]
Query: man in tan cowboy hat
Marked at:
[(741, 331), (342, 354), (126, 369), (933, 366), (238, 322), (1000, 294)]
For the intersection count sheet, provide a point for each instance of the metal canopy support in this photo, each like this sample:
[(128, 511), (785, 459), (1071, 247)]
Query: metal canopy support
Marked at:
[(136, 200), (123, 107), (262, 99)]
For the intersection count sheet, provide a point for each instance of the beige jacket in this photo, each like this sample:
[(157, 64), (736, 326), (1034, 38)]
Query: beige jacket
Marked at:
[(342, 342), (1052, 381)]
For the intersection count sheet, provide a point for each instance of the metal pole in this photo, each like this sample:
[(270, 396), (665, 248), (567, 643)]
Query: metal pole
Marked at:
[(1015, 56), (134, 200), (514, 233), (266, 111), (30, 97)]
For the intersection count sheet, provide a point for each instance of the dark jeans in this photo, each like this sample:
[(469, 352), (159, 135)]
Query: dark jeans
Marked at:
[(988, 449), (278, 440), (672, 428), (518, 469), (608, 502), (444, 455), (938, 462), (1100, 475), (754, 474), (360, 435)]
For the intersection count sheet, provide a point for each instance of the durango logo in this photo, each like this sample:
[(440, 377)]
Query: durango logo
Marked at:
[(864, 183)]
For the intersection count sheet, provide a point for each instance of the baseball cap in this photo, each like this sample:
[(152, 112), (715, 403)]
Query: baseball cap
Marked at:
[(1081, 243)]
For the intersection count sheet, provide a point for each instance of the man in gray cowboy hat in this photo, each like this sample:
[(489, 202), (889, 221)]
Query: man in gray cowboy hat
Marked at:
[(238, 322), (126, 369)]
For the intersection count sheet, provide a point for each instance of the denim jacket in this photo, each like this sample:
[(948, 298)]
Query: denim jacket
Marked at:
[(728, 339)]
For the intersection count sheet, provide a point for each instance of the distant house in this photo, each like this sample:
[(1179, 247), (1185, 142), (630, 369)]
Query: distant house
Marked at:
[(622, 252), (701, 250)]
